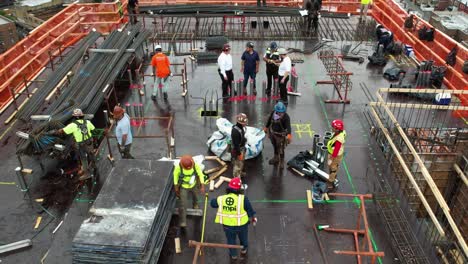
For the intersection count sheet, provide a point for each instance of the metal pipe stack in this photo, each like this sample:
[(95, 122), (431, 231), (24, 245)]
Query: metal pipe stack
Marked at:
[(316, 139)]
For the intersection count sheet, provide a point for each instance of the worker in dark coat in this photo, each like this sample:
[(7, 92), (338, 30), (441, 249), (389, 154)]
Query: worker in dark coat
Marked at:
[(238, 145), (278, 127)]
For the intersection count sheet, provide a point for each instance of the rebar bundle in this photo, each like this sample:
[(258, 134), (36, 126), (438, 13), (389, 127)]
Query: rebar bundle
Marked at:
[(215, 42), (88, 86)]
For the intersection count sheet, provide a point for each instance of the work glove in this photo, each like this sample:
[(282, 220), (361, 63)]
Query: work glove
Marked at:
[(177, 190), (121, 149), (241, 156), (265, 129), (202, 189), (254, 221), (329, 162), (289, 138), (282, 80)]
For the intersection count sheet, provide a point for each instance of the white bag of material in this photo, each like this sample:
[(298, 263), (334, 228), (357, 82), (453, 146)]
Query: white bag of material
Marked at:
[(220, 140)]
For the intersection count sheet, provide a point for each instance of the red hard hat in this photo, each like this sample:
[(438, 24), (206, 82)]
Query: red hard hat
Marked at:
[(187, 162), (235, 183), (337, 124)]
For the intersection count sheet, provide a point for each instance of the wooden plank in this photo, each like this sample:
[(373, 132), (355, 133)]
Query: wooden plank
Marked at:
[(27, 171), (220, 181), (309, 199), (217, 174), (177, 245), (325, 196), (213, 170), (211, 186), (38, 222), (297, 172), (461, 174)]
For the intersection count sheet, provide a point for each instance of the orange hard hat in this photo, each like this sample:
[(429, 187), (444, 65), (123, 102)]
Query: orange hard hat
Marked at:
[(187, 162), (235, 183), (118, 111)]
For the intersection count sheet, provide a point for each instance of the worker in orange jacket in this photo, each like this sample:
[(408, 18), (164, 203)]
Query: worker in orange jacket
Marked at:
[(161, 69)]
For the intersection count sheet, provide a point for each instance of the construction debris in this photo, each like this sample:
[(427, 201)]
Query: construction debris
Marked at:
[(15, 246)]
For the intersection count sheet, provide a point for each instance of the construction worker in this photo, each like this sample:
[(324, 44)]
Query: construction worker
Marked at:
[(384, 36), (234, 211), (225, 69), (335, 148), (284, 71), (81, 130), (161, 69), (132, 8), (271, 57), (238, 145), (250, 62), (278, 127), (364, 6), (187, 175), (123, 132)]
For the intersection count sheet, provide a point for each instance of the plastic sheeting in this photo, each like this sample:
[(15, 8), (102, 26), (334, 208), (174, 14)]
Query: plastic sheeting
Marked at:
[(220, 140)]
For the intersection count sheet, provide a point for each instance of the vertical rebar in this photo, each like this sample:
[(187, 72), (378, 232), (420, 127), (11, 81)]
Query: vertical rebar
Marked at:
[(264, 84), (128, 109), (251, 87), (276, 87), (232, 88), (323, 158), (317, 152), (142, 112)]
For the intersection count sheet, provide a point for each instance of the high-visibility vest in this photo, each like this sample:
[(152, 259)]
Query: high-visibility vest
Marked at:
[(231, 210), (187, 178), (331, 143)]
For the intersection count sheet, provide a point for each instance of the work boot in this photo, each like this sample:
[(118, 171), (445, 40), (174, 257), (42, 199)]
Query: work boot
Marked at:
[(255, 91), (243, 252), (196, 206), (243, 173), (183, 224), (165, 96), (273, 160), (281, 164), (153, 97)]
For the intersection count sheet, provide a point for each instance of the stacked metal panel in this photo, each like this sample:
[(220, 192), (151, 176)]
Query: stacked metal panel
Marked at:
[(130, 216)]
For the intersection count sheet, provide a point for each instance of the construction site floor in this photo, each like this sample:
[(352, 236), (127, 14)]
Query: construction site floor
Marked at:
[(284, 233)]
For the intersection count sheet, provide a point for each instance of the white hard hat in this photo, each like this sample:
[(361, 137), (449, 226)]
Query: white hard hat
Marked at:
[(158, 47), (77, 112), (282, 51)]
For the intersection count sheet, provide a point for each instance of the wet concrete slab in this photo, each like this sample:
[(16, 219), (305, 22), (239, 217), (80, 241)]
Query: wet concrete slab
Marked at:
[(284, 233)]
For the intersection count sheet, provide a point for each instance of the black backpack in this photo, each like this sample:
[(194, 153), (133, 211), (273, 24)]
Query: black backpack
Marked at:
[(452, 57)]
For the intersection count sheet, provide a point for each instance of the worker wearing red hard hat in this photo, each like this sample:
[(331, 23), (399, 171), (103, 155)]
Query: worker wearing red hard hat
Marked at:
[(238, 145), (187, 175), (234, 211), (335, 148)]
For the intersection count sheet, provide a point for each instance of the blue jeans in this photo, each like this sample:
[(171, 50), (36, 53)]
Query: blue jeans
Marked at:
[(246, 78), (231, 234)]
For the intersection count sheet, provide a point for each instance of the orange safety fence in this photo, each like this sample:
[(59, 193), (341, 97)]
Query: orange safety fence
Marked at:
[(219, 2), (28, 57), (392, 16), (335, 6)]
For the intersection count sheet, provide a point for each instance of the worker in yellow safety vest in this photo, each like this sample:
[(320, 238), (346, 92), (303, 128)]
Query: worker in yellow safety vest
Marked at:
[(364, 6), (335, 148), (234, 211), (187, 175), (81, 130)]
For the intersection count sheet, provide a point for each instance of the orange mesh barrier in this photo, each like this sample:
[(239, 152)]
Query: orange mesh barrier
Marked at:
[(219, 2), (30, 55), (390, 15)]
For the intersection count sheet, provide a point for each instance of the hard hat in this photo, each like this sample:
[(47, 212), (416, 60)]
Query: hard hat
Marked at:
[(77, 112), (273, 45), (280, 107), (187, 162), (337, 124), (226, 47), (158, 48), (235, 183), (249, 44), (282, 51), (118, 111), (242, 119)]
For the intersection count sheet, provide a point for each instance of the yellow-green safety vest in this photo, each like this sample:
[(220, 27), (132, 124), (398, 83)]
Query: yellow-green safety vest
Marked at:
[(231, 210), (188, 178), (331, 143)]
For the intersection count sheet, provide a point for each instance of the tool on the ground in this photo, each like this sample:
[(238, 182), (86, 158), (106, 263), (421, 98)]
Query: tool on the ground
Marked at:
[(309, 199), (38, 222), (212, 110), (58, 226), (345, 52), (322, 227), (199, 245), (15, 246), (204, 220)]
